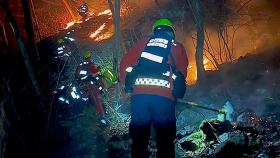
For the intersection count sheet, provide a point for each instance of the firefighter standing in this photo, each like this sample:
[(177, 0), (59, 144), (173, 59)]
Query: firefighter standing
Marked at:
[(83, 10), (90, 79), (152, 100)]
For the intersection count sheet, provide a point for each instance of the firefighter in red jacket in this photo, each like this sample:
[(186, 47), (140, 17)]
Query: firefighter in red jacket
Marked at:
[(91, 81), (152, 61)]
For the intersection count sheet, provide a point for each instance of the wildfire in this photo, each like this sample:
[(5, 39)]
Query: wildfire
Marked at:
[(79, 22), (105, 12), (104, 36), (205, 61), (206, 64), (98, 36), (192, 74), (106, 30), (70, 24), (94, 34)]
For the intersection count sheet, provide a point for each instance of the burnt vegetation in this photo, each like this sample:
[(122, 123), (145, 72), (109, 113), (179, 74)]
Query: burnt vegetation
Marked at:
[(35, 124)]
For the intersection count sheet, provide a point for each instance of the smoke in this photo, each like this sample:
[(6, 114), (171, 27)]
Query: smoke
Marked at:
[(248, 27)]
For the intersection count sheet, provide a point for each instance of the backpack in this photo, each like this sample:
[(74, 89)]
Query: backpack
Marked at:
[(179, 83), (152, 66)]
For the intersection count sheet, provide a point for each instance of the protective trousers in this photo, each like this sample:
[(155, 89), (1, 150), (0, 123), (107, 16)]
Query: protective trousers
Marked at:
[(94, 94), (145, 110)]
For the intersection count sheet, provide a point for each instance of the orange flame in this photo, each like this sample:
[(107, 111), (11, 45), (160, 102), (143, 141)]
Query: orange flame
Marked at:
[(206, 64), (69, 24), (99, 37), (104, 36), (105, 12), (94, 34)]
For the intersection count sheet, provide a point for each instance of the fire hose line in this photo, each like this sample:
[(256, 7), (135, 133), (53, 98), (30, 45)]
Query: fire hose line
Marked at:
[(196, 105)]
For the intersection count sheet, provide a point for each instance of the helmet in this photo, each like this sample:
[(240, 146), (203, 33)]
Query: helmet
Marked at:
[(110, 77), (87, 54), (163, 22), (60, 41)]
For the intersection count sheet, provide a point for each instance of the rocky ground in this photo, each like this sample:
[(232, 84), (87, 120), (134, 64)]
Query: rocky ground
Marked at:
[(251, 85)]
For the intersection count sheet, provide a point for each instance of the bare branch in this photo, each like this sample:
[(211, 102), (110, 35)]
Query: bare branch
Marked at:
[(243, 5)]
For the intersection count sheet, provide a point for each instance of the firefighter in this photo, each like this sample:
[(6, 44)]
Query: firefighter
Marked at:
[(147, 71), (83, 10), (65, 46), (89, 77), (63, 51)]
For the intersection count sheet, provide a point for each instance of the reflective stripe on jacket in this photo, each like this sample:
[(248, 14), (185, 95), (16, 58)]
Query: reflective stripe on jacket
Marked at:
[(131, 58), (152, 64)]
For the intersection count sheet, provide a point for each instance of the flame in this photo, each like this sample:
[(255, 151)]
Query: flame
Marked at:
[(104, 36), (123, 11), (205, 61), (192, 72), (105, 12), (94, 34), (78, 22), (70, 24), (206, 64)]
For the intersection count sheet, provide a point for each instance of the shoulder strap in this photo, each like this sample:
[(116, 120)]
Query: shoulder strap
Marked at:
[(172, 60), (171, 57)]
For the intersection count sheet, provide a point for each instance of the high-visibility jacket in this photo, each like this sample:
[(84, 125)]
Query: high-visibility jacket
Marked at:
[(84, 8), (131, 58), (88, 71)]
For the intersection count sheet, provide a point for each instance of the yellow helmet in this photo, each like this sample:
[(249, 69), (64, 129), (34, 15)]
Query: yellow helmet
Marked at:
[(60, 41), (87, 54)]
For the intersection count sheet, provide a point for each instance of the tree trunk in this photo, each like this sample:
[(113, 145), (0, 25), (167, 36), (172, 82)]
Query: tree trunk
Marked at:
[(22, 48), (200, 41), (116, 53), (31, 46)]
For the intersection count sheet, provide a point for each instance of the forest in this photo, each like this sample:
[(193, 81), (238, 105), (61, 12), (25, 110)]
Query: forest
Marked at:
[(231, 107)]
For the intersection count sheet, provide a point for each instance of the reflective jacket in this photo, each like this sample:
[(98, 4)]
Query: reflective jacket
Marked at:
[(89, 72), (84, 8), (131, 58)]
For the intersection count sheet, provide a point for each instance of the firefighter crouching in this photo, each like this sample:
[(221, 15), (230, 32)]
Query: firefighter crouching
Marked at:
[(91, 81), (154, 71)]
